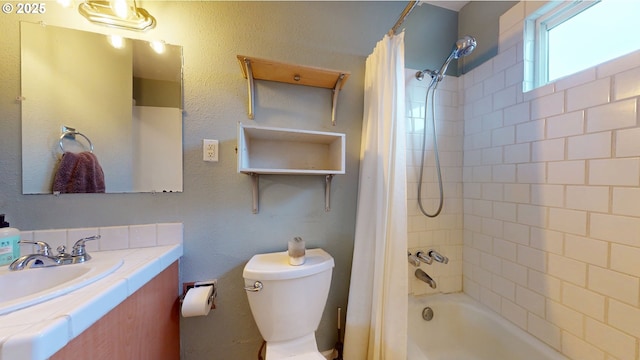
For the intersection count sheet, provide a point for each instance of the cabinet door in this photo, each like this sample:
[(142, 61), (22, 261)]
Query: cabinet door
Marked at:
[(144, 326)]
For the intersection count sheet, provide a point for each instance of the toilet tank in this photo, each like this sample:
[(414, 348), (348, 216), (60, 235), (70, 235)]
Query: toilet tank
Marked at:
[(292, 299)]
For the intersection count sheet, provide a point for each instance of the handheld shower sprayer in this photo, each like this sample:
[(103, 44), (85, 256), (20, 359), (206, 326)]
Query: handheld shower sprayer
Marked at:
[(463, 47)]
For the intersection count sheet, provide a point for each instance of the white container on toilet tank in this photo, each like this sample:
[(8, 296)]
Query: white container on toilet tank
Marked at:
[(287, 301)]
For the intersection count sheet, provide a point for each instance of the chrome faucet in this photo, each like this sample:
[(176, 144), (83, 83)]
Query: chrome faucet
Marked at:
[(426, 278), (413, 260), (39, 259), (430, 256), (44, 258), (437, 256), (425, 258)]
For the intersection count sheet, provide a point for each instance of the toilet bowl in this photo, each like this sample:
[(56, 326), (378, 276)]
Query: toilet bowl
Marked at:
[(287, 301)]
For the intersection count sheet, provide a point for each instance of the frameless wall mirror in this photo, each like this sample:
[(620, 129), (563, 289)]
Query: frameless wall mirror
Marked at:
[(123, 96)]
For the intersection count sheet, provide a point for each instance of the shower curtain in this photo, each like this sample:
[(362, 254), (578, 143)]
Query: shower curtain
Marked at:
[(376, 326)]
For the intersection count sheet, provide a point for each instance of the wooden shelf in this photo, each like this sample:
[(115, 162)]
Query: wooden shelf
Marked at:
[(268, 70), (268, 150)]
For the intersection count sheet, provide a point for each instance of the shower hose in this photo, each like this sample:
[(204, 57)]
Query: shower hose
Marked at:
[(432, 88)]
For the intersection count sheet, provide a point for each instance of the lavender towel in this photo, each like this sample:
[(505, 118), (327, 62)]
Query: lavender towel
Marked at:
[(79, 173)]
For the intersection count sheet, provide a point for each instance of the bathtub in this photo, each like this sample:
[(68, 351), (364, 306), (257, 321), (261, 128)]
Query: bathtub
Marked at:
[(462, 328)]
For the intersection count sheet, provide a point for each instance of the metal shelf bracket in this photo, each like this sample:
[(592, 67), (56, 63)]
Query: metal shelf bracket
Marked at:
[(327, 192), (334, 101), (255, 192), (250, 88)]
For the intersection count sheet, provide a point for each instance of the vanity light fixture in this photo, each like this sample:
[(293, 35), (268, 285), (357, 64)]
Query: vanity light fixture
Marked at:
[(122, 14)]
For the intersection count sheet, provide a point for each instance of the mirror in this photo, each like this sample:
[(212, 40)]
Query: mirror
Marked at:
[(125, 102)]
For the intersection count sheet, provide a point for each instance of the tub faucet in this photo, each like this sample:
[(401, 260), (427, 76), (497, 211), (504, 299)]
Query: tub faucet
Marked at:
[(44, 258), (426, 278), (425, 258), (437, 256), (431, 255), (413, 260)]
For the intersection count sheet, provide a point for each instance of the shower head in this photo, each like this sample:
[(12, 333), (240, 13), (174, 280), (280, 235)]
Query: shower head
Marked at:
[(463, 47)]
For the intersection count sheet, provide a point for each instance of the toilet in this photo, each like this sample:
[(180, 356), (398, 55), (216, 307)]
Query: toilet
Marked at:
[(287, 301)]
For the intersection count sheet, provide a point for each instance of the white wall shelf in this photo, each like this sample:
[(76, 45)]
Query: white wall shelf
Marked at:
[(261, 69), (269, 150)]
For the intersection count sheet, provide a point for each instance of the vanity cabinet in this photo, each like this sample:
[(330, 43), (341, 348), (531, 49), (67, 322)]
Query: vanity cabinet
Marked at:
[(269, 150), (144, 326)]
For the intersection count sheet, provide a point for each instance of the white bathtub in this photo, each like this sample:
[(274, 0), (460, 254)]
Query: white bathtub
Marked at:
[(462, 328)]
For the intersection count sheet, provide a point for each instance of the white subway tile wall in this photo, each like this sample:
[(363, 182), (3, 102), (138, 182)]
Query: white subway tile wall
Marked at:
[(565, 265), (111, 237)]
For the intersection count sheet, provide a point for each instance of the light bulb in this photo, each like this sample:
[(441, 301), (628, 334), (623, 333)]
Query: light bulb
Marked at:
[(121, 8), (116, 41), (157, 46), (65, 3)]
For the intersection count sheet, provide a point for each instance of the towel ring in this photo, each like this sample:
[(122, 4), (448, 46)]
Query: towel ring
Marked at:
[(72, 134)]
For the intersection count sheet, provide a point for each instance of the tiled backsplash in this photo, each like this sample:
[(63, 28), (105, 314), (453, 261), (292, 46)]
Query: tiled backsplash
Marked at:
[(111, 237), (552, 199)]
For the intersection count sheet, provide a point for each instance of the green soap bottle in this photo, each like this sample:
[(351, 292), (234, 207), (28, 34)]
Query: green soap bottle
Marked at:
[(9, 237)]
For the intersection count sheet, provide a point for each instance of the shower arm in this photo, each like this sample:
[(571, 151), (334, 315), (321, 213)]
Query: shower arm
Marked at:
[(436, 75)]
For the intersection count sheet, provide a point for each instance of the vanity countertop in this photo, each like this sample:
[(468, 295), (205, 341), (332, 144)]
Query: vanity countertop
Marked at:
[(39, 331)]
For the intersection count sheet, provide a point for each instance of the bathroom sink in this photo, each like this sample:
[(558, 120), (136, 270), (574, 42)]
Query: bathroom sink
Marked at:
[(31, 286)]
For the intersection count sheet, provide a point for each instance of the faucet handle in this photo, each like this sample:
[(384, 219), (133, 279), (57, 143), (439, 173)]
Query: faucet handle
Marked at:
[(78, 247), (426, 258), (437, 256), (43, 247)]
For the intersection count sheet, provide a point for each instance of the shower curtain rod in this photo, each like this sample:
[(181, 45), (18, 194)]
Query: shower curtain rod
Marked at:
[(404, 14)]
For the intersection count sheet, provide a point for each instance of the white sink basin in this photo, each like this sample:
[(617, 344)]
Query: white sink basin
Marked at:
[(28, 287)]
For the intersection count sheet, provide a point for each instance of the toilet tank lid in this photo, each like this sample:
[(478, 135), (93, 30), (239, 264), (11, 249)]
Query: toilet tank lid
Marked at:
[(275, 266)]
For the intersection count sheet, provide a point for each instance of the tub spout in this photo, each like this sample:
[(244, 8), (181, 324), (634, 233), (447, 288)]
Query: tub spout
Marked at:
[(423, 276)]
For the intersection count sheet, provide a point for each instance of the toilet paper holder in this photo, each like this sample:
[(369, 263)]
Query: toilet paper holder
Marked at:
[(193, 284)]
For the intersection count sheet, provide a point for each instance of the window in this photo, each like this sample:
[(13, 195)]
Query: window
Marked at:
[(570, 36)]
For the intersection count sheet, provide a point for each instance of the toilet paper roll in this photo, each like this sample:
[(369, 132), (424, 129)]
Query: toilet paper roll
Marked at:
[(197, 302)]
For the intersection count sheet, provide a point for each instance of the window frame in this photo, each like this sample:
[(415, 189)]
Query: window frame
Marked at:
[(536, 31)]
